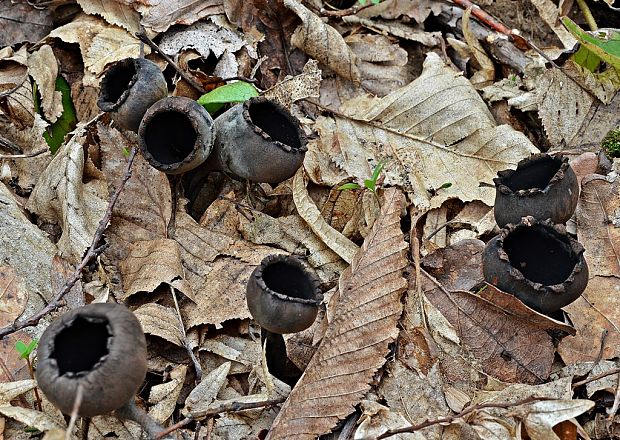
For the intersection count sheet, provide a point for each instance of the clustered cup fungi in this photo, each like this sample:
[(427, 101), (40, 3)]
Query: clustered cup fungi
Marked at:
[(100, 347)]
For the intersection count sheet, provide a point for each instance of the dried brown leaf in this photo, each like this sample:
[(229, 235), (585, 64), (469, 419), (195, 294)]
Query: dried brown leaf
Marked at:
[(391, 9), (23, 21), (323, 43), (206, 391), (293, 88), (164, 396), (598, 309), (30, 417), (161, 321), (43, 67), (61, 197), (62, 271), (16, 99), (115, 12), (550, 13), (312, 216), (152, 263), (356, 343), (159, 15), (458, 266)]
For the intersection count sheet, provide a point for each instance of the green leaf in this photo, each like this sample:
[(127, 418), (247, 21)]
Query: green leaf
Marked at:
[(445, 185), (605, 45), (376, 2), (126, 152), (585, 58), (239, 91), (347, 186), (362, 2), (377, 171), (370, 184), (22, 349), (55, 133)]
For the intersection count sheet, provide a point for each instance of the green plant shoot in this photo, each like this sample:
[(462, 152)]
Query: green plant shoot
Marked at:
[(239, 91), (25, 350), (370, 184), (56, 132), (604, 45)]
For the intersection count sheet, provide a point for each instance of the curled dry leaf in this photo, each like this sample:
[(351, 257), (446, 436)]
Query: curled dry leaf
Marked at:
[(159, 15), (164, 397), (551, 13), (312, 216), (152, 263), (598, 309), (206, 391), (205, 38), (377, 419), (30, 417), (433, 131), (356, 342), (293, 88), (43, 68), (540, 417), (117, 12), (509, 340), (15, 90), (323, 43), (161, 321), (61, 197)]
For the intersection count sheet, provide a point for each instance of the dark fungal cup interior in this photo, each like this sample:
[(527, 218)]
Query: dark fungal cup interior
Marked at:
[(117, 80), (170, 137), (80, 346), (542, 255), (275, 122), (289, 280), (534, 174)]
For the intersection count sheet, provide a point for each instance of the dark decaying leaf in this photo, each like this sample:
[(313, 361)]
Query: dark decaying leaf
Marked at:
[(356, 342)]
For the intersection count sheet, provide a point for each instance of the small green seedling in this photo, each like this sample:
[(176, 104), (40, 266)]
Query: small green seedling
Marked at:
[(25, 350), (370, 184), (611, 143), (374, 2)]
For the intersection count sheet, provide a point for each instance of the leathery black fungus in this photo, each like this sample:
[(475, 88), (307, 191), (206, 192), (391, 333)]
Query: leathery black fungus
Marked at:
[(542, 186), (100, 347), (538, 262), (176, 135), (129, 88)]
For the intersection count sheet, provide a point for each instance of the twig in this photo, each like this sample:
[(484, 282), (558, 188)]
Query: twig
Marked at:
[(344, 12), (195, 84), (597, 377), (587, 15), (131, 411), (25, 155), (192, 356), (450, 419), (226, 407), (74, 412), (92, 252)]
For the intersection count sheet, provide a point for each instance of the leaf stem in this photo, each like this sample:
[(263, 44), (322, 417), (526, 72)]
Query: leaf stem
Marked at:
[(587, 15)]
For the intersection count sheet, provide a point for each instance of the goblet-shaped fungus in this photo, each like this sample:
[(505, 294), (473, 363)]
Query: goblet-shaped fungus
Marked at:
[(129, 88), (176, 135), (100, 347), (542, 186), (258, 140), (283, 297), (538, 262)]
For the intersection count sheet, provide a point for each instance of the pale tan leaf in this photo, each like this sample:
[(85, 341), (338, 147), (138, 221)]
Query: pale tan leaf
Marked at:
[(550, 13), (293, 235), (391, 9), (159, 15), (164, 397), (114, 12), (293, 88), (397, 29), (541, 417), (244, 353), (433, 131), (30, 417), (158, 320), (486, 73), (206, 391), (376, 419), (43, 68), (62, 271), (100, 44), (14, 85), (205, 38), (562, 106), (11, 390), (61, 197), (356, 342), (458, 266), (110, 426), (152, 263), (312, 216), (598, 308), (322, 42)]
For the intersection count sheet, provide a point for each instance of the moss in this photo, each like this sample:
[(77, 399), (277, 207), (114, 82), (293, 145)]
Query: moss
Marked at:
[(611, 143)]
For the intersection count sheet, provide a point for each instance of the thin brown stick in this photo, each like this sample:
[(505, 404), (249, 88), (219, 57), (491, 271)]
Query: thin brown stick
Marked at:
[(344, 12), (226, 407), (93, 251), (25, 155), (195, 84), (596, 377), (450, 419)]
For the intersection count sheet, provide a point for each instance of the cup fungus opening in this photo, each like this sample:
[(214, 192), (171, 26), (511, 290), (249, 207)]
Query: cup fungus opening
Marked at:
[(276, 122), (170, 137), (534, 173), (541, 254), (116, 84), (289, 280), (81, 346)]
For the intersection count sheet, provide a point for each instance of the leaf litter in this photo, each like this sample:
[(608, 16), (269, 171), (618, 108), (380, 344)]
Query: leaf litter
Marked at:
[(409, 342)]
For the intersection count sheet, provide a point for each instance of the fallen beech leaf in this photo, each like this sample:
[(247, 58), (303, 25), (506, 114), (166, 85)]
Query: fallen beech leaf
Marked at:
[(17, 102), (486, 73), (11, 390), (323, 43), (30, 417), (458, 266), (164, 396), (435, 130), (391, 9), (206, 391), (161, 321), (377, 419), (245, 354), (508, 343), (293, 88), (356, 342), (61, 197), (159, 15), (62, 271), (541, 417), (312, 216), (43, 67), (205, 38), (115, 12), (550, 13), (152, 263), (598, 308)]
